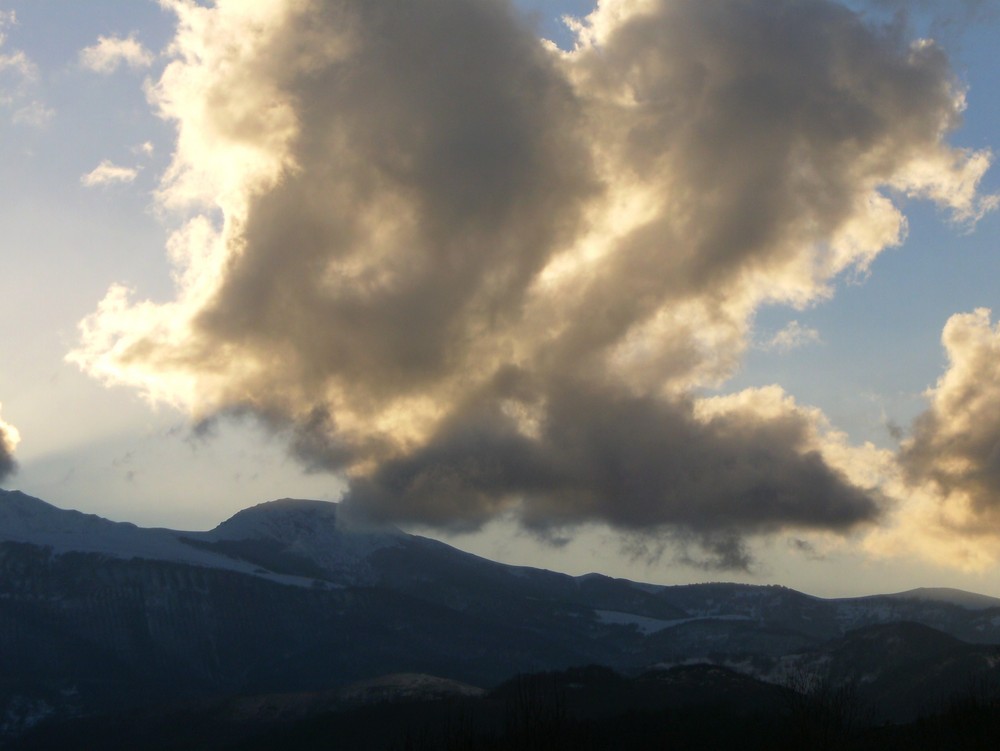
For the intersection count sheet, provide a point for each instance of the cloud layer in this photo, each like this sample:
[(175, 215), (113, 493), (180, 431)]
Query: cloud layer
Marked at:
[(481, 276)]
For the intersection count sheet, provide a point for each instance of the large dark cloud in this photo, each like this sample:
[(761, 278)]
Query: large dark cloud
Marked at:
[(636, 462), (442, 169), (481, 276)]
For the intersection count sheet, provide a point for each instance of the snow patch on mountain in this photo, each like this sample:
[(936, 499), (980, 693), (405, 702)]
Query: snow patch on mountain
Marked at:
[(325, 534), (647, 625), (30, 520), (24, 519), (644, 624)]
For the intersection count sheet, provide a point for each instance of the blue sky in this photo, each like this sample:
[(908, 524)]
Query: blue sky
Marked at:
[(865, 352)]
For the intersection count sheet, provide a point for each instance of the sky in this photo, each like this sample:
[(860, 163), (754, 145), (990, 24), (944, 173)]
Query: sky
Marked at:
[(673, 291)]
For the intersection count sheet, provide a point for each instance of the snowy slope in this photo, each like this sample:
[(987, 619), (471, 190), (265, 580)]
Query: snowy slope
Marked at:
[(30, 520), (300, 541), (322, 533), (335, 545), (24, 519)]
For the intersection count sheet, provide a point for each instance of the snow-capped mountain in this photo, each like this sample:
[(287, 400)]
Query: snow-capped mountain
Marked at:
[(315, 543), (301, 538), (30, 520), (324, 532), (298, 595), (310, 531)]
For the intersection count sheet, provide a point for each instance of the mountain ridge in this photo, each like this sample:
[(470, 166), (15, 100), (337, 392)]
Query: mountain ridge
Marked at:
[(289, 596), (321, 522)]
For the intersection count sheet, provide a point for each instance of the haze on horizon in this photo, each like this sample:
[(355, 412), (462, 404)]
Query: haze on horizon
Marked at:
[(537, 296)]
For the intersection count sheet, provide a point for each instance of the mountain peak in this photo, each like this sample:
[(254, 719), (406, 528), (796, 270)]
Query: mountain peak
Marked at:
[(24, 518), (264, 519), (292, 519), (332, 537), (968, 600), (16, 502)]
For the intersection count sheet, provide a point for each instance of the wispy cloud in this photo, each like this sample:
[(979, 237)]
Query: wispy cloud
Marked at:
[(14, 62), (111, 52), (35, 114), (18, 79), (792, 336), (18, 63), (108, 173)]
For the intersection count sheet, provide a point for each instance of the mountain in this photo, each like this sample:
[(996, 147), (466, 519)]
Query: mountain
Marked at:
[(311, 539), (286, 596), (903, 670), (691, 706), (300, 596), (969, 600), (580, 708), (28, 520)]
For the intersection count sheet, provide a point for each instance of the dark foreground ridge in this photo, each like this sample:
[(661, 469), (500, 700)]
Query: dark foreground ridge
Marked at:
[(304, 611), (591, 708)]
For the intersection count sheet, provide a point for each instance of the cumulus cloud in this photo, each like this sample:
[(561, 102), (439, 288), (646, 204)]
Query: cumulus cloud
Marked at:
[(946, 470), (746, 464), (109, 173), (111, 52), (9, 439), (955, 444), (481, 276)]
